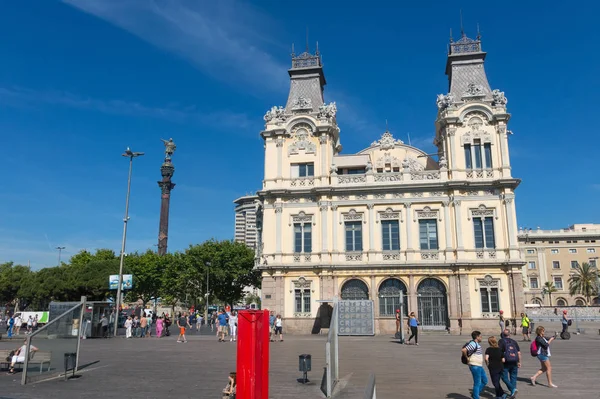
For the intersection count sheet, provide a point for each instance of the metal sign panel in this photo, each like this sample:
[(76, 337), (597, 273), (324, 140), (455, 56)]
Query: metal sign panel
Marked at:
[(356, 317)]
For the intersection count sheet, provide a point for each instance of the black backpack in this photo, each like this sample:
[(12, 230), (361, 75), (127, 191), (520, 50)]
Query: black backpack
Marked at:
[(465, 358)]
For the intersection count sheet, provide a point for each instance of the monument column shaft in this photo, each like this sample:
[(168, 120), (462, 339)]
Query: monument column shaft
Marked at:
[(163, 229)]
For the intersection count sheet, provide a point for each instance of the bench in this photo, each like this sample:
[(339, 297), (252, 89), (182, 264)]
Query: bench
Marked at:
[(39, 357)]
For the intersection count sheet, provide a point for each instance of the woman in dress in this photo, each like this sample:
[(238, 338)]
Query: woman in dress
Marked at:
[(159, 327), (233, 320), (543, 356), (128, 325), (494, 358)]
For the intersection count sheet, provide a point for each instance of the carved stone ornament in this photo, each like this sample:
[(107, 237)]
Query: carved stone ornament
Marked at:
[(352, 216), (275, 114), (489, 281), (411, 165), (387, 159), (302, 104), (498, 98), (444, 101), (301, 133), (474, 90), (302, 282), (482, 211), (387, 142), (302, 218), (327, 111), (323, 139), (443, 162), (389, 214), (427, 213)]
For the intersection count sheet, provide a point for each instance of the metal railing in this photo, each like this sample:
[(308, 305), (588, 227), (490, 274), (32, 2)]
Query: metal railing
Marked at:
[(60, 335)]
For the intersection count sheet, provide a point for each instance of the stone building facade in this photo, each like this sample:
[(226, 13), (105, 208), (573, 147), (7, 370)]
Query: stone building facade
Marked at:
[(391, 220), (551, 257)]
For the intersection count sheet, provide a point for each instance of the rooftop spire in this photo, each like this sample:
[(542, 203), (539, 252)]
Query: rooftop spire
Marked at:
[(307, 80), (462, 31)]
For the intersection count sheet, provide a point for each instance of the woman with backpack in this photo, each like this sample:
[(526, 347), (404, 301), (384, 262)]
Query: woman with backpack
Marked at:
[(541, 346)]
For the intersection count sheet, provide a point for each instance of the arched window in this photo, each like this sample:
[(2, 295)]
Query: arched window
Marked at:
[(561, 302), (537, 301), (580, 302), (389, 297), (355, 289), (432, 303)]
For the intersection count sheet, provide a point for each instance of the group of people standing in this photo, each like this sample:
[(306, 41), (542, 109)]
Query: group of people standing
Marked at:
[(14, 324)]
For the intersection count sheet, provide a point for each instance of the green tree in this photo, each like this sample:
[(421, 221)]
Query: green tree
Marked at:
[(147, 269), (230, 268), (12, 277), (583, 281), (549, 288)]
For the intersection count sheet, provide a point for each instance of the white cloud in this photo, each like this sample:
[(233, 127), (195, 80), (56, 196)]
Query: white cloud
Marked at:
[(219, 37), (23, 97)]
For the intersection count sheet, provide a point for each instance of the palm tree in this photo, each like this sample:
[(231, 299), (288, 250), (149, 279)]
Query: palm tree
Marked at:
[(549, 288), (583, 281)]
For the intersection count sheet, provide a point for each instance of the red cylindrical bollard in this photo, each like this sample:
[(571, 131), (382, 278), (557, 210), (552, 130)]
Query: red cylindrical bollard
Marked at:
[(252, 371)]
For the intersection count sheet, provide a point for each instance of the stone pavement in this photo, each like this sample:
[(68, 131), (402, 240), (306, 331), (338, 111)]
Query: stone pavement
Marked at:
[(153, 368)]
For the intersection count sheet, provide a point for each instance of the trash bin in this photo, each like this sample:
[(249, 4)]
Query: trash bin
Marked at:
[(304, 363), (70, 361)]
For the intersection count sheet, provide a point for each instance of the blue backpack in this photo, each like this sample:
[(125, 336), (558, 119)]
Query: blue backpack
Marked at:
[(511, 354)]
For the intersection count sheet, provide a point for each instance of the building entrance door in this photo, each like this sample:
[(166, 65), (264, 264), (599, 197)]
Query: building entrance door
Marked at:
[(433, 304)]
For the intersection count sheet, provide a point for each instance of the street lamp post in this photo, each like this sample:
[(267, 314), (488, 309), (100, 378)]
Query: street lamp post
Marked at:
[(130, 154), (595, 259), (59, 253), (206, 295)]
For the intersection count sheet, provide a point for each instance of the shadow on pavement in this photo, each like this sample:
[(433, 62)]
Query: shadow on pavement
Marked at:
[(88, 365)]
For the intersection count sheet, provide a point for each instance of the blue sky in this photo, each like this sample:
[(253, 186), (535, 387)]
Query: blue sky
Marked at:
[(80, 80)]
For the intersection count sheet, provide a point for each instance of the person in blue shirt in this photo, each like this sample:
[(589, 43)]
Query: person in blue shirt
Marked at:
[(223, 322), (271, 325), (413, 323)]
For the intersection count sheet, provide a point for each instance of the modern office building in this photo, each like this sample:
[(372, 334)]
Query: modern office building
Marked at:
[(551, 258), (245, 220), (392, 221)]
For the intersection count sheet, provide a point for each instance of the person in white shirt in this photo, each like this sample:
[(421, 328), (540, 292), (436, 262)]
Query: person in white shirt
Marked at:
[(19, 356), (279, 327), (128, 325), (198, 322), (233, 320), (18, 323)]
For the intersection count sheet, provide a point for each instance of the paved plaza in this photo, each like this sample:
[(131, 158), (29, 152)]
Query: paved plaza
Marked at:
[(153, 368)]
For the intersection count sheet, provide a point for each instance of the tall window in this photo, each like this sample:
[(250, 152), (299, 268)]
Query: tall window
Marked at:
[(468, 156), (484, 232), (555, 264), (558, 283), (303, 169), (477, 153), (428, 234), (533, 282), (531, 265), (353, 236), (574, 264), (489, 300), (487, 148), (389, 297), (302, 300), (390, 232), (302, 237)]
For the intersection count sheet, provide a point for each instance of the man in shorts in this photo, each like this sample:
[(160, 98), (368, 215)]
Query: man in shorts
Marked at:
[(223, 321), (182, 323)]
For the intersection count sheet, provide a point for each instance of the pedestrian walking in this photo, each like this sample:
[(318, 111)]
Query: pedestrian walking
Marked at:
[(136, 327), (525, 323), (512, 362), (11, 326), (17, 327), (473, 356), (413, 324), (272, 325), (198, 322), (233, 320), (565, 323), (494, 359), (128, 327), (30, 325), (543, 354), (182, 323), (501, 322), (104, 325), (149, 326), (35, 323), (143, 326), (279, 327), (159, 327), (213, 322), (167, 324), (223, 320)]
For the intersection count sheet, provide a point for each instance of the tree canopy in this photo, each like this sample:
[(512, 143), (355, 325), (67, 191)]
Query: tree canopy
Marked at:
[(178, 277)]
